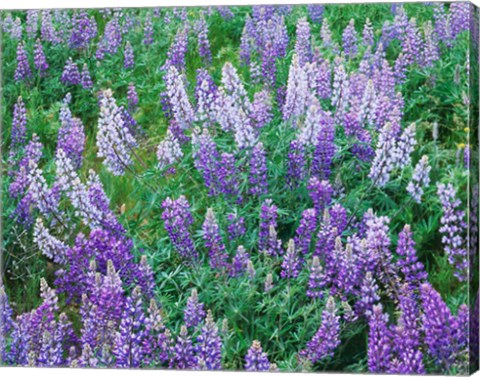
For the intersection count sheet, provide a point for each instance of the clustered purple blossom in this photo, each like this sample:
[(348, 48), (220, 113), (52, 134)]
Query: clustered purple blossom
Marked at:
[(256, 360), (23, 71), (218, 257), (452, 229), (177, 218), (71, 74)]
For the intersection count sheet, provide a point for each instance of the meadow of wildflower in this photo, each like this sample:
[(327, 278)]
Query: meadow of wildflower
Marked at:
[(260, 188)]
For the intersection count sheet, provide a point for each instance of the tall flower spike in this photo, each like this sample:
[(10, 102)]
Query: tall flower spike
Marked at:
[(182, 109), (256, 360), (84, 30), (296, 165), (183, 354), (316, 281), (213, 242), (86, 79), (292, 263), (194, 312), (420, 179), (297, 91), (320, 193), (39, 58), (452, 229), (368, 38), (303, 47), (349, 39), (178, 219), (203, 42), (168, 151), (306, 231), (438, 325), (385, 158), (49, 245), (368, 294), (404, 147), (114, 139), (209, 346), (268, 218), (23, 71), (132, 97), (71, 74), (326, 339), (412, 269), (19, 124), (379, 341), (148, 30), (240, 262), (258, 171), (128, 57)]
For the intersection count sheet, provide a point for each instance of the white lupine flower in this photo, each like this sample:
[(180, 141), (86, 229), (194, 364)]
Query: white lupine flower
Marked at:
[(114, 139), (420, 179), (168, 151), (404, 148), (49, 245), (182, 109), (76, 191), (297, 95), (384, 162)]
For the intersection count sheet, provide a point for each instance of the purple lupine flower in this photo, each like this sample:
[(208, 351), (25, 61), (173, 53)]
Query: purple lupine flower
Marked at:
[(6, 323), (384, 160), (268, 218), (368, 294), (296, 163), (442, 24), (148, 30), (47, 31), (431, 52), (315, 11), (206, 93), (31, 23), (169, 152), (236, 226), (183, 354), (379, 341), (19, 124), (246, 41), (303, 47), (256, 360), (194, 312), (39, 58), (326, 339), (71, 135), (439, 327), (258, 171), (340, 87), (128, 57), (23, 71), (412, 42), (407, 357), (316, 280), (324, 148), (349, 39), (420, 179), (400, 69), (227, 177), (412, 269), (368, 38), (84, 30), (111, 39), (86, 79), (127, 347), (452, 229), (70, 74), (239, 262), (206, 159), (178, 219), (320, 192), (292, 262), (306, 231), (114, 139), (177, 51), (261, 111), (156, 342), (326, 36), (132, 97), (338, 217), (297, 91), (201, 27), (209, 346), (213, 242), (315, 119), (32, 154), (460, 17), (323, 79), (182, 109)]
